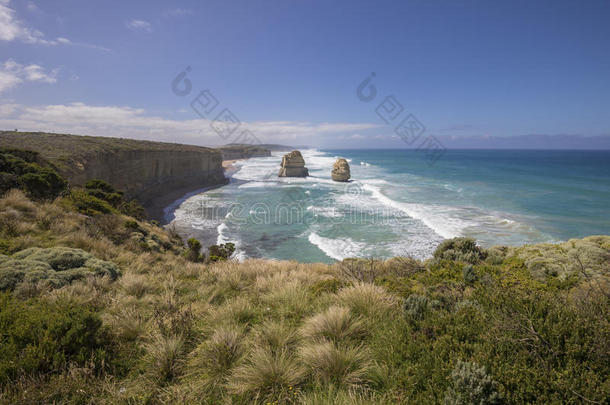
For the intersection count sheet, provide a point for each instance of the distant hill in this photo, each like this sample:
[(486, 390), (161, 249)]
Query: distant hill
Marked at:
[(242, 151), (269, 146)]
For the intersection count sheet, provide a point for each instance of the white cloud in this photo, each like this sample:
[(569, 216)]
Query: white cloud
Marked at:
[(31, 6), (13, 29), (116, 121), (8, 81), (8, 109), (13, 73), (139, 25)]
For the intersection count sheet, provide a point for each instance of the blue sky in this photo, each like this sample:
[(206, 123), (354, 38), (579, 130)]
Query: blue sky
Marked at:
[(289, 70)]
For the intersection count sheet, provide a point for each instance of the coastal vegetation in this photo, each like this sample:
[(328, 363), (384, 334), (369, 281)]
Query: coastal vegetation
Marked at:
[(99, 305)]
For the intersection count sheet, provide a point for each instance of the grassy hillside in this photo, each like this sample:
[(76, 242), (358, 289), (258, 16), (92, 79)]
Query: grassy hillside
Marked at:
[(64, 149), (100, 307)]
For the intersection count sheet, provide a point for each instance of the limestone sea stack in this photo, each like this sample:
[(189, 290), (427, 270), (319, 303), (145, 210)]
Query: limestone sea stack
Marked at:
[(293, 165), (340, 170)]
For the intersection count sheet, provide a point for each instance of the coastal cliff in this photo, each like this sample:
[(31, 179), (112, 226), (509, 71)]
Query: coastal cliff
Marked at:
[(239, 151), (155, 173)]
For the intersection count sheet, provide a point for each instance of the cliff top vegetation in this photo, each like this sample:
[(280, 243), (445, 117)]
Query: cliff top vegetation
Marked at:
[(60, 148)]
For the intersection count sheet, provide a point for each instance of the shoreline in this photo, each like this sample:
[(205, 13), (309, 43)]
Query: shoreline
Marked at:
[(162, 208), (166, 212)]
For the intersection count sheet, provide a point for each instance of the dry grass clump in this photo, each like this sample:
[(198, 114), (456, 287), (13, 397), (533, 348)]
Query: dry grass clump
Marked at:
[(236, 311), (80, 239), (12, 222), (92, 291), (165, 357), (336, 324), (48, 215), (344, 366), (226, 285), (267, 374), (336, 396), (368, 299), (288, 301), (128, 322), (17, 200), (275, 336), (136, 285), (220, 353)]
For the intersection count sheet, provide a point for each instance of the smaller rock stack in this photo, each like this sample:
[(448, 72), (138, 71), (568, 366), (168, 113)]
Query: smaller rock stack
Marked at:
[(340, 170), (293, 165)]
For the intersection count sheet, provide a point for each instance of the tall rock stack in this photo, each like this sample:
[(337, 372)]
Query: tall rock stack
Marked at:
[(293, 165), (340, 170)]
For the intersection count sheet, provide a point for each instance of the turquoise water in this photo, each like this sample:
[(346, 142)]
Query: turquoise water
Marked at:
[(401, 203)]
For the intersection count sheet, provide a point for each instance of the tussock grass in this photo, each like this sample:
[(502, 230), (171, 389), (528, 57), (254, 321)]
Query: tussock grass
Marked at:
[(129, 323), (48, 216), (92, 291), (220, 353), (369, 300), (165, 357), (17, 200), (330, 394), (288, 301), (239, 310), (341, 365), (336, 324), (136, 285), (275, 336), (267, 374)]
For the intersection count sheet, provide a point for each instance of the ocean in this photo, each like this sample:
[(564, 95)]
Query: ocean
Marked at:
[(402, 203)]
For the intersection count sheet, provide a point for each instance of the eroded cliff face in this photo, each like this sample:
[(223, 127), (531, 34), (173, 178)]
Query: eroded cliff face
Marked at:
[(232, 152), (155, 173), (150, 174)]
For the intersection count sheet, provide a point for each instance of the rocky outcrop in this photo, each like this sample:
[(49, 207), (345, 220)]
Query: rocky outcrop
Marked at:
[(293, 165), (340, 170), (155, 173)]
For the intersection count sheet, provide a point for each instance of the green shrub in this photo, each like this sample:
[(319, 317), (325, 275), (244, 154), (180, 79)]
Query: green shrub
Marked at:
[(59, 258), (101, 185), (133, 225), (471, 385), (45, 337), (193, 252), (87, 204), (29, 156), (98, 197), (416, 306), (221, 252), (54, 267), (133, 208), (43, 184), (469, 274), (113, 199), (460, 249), (21, 169)]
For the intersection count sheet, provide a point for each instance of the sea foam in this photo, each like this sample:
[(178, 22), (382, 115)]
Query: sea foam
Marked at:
[(337, 249)]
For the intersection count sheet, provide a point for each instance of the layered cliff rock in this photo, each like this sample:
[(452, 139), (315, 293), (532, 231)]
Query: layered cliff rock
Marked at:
[(293, 165), (153, 172), (340, 170), (240, 151)]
